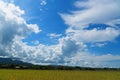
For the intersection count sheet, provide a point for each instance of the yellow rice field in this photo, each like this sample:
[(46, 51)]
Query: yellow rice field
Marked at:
[(58, 75)]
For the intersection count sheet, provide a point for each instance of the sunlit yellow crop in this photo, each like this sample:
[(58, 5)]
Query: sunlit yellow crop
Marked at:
[(58, 75)]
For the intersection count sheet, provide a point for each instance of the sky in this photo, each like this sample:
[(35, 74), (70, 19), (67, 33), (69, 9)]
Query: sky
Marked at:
[(61, 32)]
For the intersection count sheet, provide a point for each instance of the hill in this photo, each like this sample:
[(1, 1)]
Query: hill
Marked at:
[(14, 63)]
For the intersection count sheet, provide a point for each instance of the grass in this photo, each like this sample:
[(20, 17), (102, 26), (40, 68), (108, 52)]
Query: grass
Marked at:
[(58, 75)]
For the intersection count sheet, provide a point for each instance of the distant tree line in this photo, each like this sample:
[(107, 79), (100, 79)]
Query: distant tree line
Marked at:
[(50, 67)]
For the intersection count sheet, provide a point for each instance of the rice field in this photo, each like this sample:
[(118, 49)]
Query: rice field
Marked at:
[(58, 75)]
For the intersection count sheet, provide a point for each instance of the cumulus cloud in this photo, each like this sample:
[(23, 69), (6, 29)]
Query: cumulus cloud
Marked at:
[(92, 12), (70, 47), (91, 60), (94, 35), (12, 25)]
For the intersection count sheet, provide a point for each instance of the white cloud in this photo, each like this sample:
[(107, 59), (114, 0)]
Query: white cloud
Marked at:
[(34, 28), (94, 35), (91, 60), (43, 2), (98, 44), (35, 54), (95, 12), (54, 35), (36, 42), (12, 26)]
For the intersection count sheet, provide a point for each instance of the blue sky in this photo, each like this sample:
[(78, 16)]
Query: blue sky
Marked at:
[(61, 32)]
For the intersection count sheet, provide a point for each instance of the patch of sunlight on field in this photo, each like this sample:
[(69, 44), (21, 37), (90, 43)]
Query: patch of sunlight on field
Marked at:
[(58, 75)]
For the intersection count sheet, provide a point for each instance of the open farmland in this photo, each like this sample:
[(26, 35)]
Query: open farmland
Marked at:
[(58, 75)]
